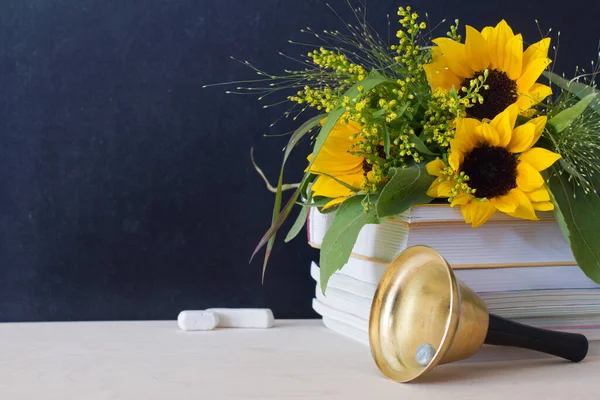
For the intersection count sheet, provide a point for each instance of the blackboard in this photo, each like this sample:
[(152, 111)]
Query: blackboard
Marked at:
[(126, 190)]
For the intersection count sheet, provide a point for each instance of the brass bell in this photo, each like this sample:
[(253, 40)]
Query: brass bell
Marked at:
[(422, 316)]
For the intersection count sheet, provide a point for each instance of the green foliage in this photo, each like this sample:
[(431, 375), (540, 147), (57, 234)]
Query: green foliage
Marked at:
[(406, 188), (386, 140), (400, 123), (340, 237), (565, 118), (573, 131), (576, 88), (294, 139), (578, 214), (420, 146), (298, 225), (332, 118)]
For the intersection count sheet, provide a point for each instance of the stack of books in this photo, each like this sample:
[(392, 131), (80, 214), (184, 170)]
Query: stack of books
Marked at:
[(523, 270)]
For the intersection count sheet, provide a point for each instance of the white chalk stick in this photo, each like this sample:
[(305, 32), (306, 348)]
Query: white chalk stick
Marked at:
[(244, 317), (197, 320)]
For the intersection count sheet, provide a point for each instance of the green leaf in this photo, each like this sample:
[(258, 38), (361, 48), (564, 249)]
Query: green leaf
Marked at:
[(579, 89), (341, 236), (386, 140), (402, 110), (379, 113), (564, 118), (407, 187), (298, 225), (275, 225), (578, 216), (420, 146), (294, 139), (299, 133), (300, 220), (319, 201), (305, 185)]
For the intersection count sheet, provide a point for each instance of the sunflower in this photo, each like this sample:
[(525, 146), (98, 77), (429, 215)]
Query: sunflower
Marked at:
[(335, 160), (512, 73), (492, 166)]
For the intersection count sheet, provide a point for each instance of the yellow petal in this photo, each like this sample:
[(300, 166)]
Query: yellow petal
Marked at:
[(334, 202), (477, 54), (477, 213), (440, 189), (487, 134), (540, 124), (465, 140), (464, 129), (433, 189), (455, 56), (486, 32), (525, 209), (543, 206), (497, 41), (328, 187), (436, 54), (504, 123), (531, 74), (507, 203), (456, 157), (521, 138), (538, 195), (444, 188), (336, 164), (335, 158), (441, 76), (528, 179), (536, 94), (513, 57), (535, 51), (461, 199), (539, 158), (435, 167)]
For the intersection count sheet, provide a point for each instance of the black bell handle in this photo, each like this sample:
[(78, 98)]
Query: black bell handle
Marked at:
[(503, 332)]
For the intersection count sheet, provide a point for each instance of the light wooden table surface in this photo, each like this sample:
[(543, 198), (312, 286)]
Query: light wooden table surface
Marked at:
[(294, 360)]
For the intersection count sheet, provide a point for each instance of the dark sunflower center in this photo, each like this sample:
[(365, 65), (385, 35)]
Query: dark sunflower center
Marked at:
[(492, 171), (369, 167), (502, 92)]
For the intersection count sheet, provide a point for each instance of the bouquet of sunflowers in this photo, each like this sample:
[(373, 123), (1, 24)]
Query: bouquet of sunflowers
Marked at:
[(464, 121)]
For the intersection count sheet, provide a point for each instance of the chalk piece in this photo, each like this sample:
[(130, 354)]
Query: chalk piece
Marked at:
[(244, 317), (197, 320)]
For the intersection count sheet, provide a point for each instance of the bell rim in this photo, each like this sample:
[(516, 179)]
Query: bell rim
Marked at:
[(450, 326)]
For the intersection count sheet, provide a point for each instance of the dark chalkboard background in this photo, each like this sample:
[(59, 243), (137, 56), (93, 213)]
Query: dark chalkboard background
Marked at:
[(126, 190)]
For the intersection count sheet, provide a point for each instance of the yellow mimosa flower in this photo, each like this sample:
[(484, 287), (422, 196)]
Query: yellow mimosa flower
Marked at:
[(512, 72), (502, 166)]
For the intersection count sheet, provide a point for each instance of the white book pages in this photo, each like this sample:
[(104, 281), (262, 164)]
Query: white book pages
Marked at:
[(346, 330), (490, 279), (355, 297), (502, 243), (341, 300), (345, 283)]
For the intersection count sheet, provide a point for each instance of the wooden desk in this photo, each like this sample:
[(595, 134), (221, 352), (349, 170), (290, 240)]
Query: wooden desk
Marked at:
[(294, 360)]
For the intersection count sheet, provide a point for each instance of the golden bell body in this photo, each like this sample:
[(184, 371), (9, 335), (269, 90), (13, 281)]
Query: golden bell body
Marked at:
[(419, 301), (422, 316)]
